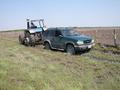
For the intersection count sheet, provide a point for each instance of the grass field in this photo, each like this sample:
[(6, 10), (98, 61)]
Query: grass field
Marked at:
[(28, 68)]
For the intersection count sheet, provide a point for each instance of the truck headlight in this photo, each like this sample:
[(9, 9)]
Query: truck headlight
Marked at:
[(92, 41), (80, 42)]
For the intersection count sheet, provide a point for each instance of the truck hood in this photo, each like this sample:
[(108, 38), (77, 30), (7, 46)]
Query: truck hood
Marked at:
[(79, 37)]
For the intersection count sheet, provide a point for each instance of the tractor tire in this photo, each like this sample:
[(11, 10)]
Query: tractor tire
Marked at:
[(21, 38), (27, 41), (70, 49), (32, 40)]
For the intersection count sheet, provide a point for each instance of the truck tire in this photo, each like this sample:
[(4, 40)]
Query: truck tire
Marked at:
[(70, 49), (47, 46), (21, 38)]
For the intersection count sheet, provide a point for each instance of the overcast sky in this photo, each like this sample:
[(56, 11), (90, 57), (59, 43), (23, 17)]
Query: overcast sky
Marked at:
[(60, 13)]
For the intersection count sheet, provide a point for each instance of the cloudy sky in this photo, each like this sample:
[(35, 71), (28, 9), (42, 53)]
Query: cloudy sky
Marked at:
[(59, 13)]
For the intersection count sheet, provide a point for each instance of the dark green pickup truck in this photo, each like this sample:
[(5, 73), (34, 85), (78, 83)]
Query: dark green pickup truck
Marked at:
[(66, 39)]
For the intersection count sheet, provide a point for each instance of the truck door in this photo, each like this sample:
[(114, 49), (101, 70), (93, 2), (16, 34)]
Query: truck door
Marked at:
[(57, 40)]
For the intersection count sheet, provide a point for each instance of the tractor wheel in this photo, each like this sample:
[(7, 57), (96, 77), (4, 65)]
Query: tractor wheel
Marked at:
[(21, 39), (27, 41), (70, 49), (32, 40)]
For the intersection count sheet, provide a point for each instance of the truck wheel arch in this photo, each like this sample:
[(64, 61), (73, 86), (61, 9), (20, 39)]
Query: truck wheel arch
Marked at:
[(69, 43), (70, 49), (45, 42)]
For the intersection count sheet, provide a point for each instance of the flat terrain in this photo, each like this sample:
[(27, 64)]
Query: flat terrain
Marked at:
[(29, 68)]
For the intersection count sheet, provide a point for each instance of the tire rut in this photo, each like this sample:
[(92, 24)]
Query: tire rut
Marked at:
[(101, 59)]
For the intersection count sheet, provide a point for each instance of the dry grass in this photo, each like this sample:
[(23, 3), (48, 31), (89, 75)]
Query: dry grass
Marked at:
[(27, 68)]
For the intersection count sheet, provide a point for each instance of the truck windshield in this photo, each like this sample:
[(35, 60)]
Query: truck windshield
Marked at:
[(70, 33)]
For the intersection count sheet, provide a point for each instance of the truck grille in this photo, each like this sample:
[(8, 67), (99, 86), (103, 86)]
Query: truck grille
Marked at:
[(87, 41)]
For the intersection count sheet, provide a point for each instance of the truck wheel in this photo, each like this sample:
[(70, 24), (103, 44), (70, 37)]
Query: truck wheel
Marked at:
[(47, 46), (70, 49), (32, 40), (21, 39)]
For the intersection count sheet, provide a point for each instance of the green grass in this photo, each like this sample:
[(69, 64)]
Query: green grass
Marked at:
[(28, 68)]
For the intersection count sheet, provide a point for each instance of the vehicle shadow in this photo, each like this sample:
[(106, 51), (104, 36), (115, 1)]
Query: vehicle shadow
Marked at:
[(77, 53), (81, 52)]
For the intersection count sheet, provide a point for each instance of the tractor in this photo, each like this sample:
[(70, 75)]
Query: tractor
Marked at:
[(33, 34)]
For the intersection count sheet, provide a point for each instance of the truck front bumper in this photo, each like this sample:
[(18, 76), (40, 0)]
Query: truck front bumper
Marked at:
[(84, 47)]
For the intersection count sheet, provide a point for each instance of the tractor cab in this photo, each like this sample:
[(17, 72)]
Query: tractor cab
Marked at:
[(33, 34), (34, 26)]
